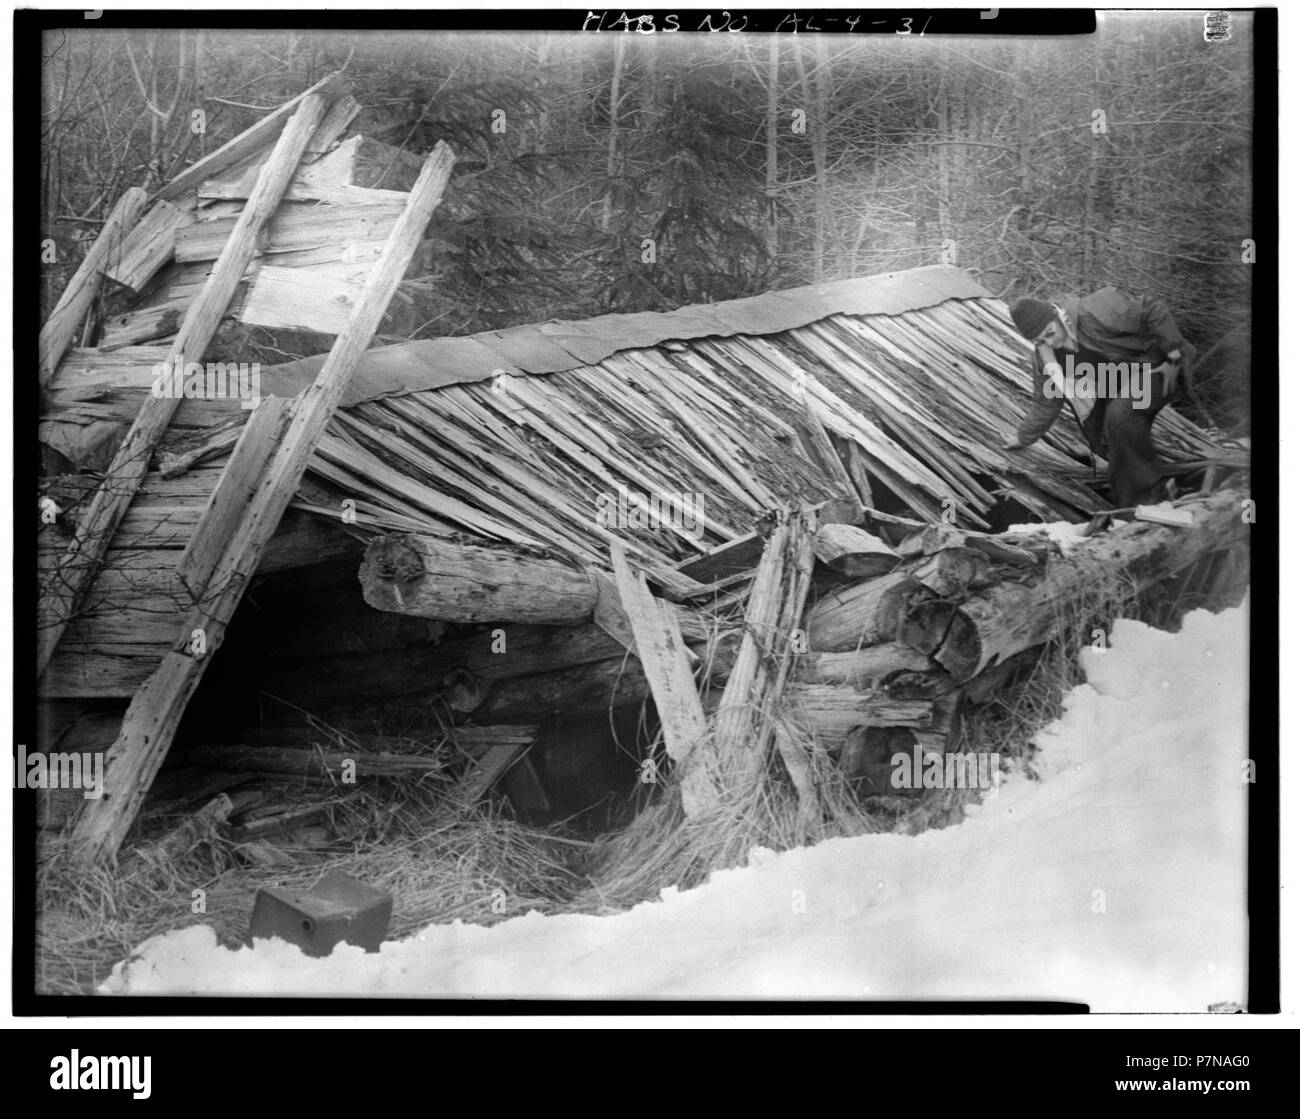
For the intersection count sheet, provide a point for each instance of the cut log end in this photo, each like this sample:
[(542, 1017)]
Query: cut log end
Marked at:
[(864, 614), (393, 560), (926, 625), (962, 652)]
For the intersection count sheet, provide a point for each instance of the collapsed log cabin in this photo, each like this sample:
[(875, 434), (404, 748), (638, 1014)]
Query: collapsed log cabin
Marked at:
[(516, 540)]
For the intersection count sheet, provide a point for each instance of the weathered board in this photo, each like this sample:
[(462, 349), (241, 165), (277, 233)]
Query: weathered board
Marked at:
[(294, 227), (299, 299)]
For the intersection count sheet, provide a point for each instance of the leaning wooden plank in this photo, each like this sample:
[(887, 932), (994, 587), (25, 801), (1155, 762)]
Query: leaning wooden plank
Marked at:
[(149, 245), (154, 714), (610, 617), (662, 653), (524, 787), (65, 319), (826, 455), (183, 838), (259, 135), (434, 578), (143, 325), (128, 468), (609, 614), (734, 731), (799, 766), (733, 557), (860, 473), (229, 501), (484, 772), (341, 114), (800, 564)]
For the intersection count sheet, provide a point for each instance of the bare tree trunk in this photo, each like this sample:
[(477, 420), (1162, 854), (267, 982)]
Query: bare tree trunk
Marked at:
[(611, 156), (1087, 235), (818, 101), (945, 159), (1024, 122), (770, 184)]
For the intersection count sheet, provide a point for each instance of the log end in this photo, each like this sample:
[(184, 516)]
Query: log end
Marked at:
[(392, 559), (962, 650)]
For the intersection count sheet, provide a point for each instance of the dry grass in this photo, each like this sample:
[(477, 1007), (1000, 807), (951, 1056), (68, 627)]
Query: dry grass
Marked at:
[(661, 847), (440, 864)]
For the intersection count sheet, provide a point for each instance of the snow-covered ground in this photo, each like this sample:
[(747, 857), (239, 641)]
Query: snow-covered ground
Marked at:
[(1117, 880)]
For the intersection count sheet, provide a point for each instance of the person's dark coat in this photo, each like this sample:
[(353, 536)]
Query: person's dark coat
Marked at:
[(1117, 327)]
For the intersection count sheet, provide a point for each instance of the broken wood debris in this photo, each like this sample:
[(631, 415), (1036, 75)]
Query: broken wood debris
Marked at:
[(131, 462), (659, 645), (187, 834), (152, 718), (65, 320)]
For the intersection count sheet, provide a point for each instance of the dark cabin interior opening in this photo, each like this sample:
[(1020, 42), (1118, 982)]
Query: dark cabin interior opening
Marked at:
[(306, 655)]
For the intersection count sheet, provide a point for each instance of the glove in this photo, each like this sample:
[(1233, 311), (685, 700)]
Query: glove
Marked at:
[(1171, 372)]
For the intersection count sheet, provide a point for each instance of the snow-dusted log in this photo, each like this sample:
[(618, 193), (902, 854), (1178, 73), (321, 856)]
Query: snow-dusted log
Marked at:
[(997, 623)]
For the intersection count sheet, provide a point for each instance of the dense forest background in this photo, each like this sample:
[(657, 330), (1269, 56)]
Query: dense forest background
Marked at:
[(628, 172)]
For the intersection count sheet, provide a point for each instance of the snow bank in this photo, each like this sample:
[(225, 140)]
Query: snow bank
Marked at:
[(1117, 879), (1066, 534)]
